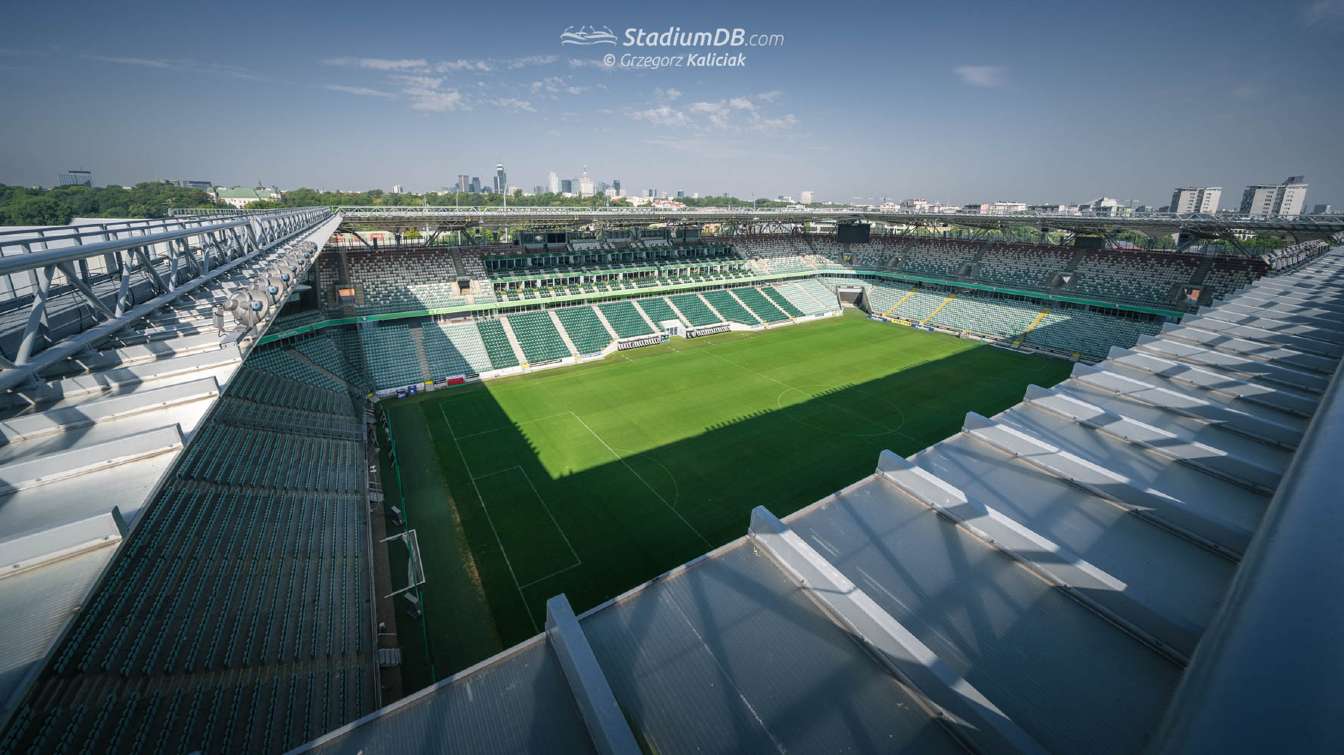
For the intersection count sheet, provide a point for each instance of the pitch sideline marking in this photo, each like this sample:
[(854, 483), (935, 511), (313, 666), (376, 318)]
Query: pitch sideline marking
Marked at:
[(491, 521), (640, 477)]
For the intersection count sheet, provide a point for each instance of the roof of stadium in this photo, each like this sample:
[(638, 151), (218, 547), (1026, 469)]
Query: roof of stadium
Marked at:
[(1144, 556), (95, 419)]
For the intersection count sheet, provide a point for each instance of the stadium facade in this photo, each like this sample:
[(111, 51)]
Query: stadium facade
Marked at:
[(191, 562)]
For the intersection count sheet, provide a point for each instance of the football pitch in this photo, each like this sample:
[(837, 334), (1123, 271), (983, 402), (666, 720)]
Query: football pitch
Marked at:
[(589, 480)]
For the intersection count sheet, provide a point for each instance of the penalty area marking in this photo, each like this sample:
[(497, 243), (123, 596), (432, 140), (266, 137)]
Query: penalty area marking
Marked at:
[(546, 507), (513, 574)]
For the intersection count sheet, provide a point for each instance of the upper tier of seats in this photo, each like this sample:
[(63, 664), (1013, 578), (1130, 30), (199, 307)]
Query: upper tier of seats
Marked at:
[(391, 281)]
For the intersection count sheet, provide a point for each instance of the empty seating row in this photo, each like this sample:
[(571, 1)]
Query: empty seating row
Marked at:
[(389, 354), (658, 311), (759, 305), (730, 308), (694, 309), (625, 319), (586, 332), (1132, 276), (537, 335), (237, 618), (496, 343), (809, 296), (781, 301), (454, 349)]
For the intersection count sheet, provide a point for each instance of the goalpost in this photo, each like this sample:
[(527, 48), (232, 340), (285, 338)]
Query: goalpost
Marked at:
[(415, 568)]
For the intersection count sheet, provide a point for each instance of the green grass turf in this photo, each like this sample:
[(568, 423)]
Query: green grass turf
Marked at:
[(592, 479)]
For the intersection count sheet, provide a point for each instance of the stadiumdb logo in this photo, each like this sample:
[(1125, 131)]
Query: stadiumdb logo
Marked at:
[(588, 35)]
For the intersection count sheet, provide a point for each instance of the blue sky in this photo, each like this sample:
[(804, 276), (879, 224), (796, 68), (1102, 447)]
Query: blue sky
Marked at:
[(951, 101)]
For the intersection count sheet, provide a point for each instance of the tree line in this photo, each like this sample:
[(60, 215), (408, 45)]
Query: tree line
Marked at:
[(22, 205)]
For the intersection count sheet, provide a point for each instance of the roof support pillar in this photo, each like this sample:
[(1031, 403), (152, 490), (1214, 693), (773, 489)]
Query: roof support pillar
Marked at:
[(601, 714)]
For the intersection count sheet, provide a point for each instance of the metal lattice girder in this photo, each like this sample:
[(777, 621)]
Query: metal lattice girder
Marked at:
[(222, 246)]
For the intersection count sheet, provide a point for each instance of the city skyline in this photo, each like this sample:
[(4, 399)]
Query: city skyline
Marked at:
[(960, 118)]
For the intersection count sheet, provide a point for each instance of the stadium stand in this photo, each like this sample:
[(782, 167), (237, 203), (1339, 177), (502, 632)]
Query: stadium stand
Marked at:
[(393, 281), (497, 344), (932, 257), (1021, 265), (694, 309), (808, 296), (585, 330), (238, 618), (389, 354), (624, 319), (759, 305), (1068, 329), (658, 310), (991, 317), (537, 335), (1229, 276), (781, 301), (1109, 517), (1132, 276), (921, 305), (731, 310), (455, 349)]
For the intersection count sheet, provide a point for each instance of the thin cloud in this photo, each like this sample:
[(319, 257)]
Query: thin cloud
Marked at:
[(981, 76), (359, 91), (554, 86), (666, 94), (663, 115), (513, 103), (731, 114), (183, 65), (380, 64)]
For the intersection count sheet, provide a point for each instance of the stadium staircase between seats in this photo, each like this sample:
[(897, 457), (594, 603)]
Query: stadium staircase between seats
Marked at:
[(625, 319), (781, 301), (694, 310), (947, 300), (585, 330), (537, 337), (658, 311), (759, 305), (390, 355), (729, 308), (497, 345), (455, 349)]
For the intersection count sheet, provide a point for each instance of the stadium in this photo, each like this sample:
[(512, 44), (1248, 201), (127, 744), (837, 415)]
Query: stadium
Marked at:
[(375, 479)]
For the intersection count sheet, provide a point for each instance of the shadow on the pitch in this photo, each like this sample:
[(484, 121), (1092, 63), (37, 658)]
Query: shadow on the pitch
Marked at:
[(639, 514)]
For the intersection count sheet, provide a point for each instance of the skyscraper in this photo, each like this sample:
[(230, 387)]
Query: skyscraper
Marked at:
[(585, 184), (567, 186), (553, 183), (1284, 199), (1201, 199), (501, 179), (616, 184), (463, 183), (806, 197), (475, 186)]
